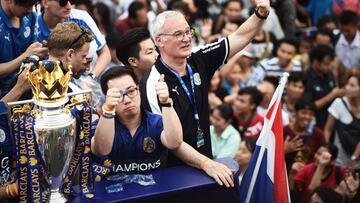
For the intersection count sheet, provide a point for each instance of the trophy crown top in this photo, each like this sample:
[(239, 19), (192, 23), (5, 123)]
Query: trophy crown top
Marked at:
[(48, 81)]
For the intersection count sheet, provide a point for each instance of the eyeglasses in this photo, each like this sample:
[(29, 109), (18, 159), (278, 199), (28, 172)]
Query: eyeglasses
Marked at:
[(63, 3), (83, 32), (131, 92), (180, 35)]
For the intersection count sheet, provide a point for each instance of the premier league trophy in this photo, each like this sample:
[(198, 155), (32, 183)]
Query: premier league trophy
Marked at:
[(47, 155), (54, 124)]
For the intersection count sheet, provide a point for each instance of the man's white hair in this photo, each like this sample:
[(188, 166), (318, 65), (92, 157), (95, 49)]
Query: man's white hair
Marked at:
[(158, 23)]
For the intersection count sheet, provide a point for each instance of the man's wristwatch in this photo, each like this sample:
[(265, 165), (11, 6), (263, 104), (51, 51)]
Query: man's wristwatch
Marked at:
[(263, 17), (92, 75), (168, 104)]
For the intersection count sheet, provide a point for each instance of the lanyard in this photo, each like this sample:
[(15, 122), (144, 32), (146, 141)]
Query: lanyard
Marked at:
[(191, 97)]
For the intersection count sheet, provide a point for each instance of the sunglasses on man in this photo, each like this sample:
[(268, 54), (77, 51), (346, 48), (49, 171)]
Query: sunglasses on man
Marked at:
[(63, 3)]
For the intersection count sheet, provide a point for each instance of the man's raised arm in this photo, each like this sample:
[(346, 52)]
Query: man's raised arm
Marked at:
[(247, 31)]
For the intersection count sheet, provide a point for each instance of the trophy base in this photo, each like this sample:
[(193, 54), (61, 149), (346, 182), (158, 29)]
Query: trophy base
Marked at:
[(57, 197)]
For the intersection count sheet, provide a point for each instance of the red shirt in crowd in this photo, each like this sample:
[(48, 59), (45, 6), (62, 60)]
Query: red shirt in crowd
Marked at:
[(254, 128), (311, 143), (123, 25), (303, 178)]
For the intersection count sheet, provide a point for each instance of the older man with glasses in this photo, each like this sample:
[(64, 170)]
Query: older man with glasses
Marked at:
[(18, 41), (56, 11), (188, 74)]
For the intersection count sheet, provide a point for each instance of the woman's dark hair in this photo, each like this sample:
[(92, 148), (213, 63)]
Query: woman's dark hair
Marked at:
[(202, 12), (226, 3), (104, 11), (87, 3), (225, 110), (113, 39), (328, 195), (134, 7), (333, 150), (116, 72), (182, 7), (357, 76), (250, 144)]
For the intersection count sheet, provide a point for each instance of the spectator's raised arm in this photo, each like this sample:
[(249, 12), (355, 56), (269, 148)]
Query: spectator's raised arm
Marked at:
[(102, 141)]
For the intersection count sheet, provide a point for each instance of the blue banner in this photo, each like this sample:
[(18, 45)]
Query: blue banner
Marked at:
[(29, 165), (82, 159)]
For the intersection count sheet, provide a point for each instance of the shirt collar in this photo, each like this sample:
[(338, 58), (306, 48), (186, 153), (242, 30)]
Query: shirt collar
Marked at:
[(354, 43), (5, 19), (42, 25), (226, 133), (144, 117)]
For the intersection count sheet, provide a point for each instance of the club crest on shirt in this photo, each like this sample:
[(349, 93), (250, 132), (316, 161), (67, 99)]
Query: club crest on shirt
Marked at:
[(27, 32), (2, 135), (149, 145), (197, 79)]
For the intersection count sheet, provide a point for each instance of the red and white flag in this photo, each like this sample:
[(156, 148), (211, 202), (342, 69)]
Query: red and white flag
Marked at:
[(265, 179)]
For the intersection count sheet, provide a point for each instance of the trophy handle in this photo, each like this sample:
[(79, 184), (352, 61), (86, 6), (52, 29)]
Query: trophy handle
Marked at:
[(20, 105)]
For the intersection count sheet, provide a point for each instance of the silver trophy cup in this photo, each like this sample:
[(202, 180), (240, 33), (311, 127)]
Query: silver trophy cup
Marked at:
[(55, 127), (55, 135)]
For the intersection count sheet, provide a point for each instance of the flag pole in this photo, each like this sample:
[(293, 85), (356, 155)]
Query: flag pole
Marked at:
[(279, 91)]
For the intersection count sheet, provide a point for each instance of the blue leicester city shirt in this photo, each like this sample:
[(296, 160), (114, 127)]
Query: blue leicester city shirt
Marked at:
[(82, 18), (6, 146), (14, 42), (142, 152)]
